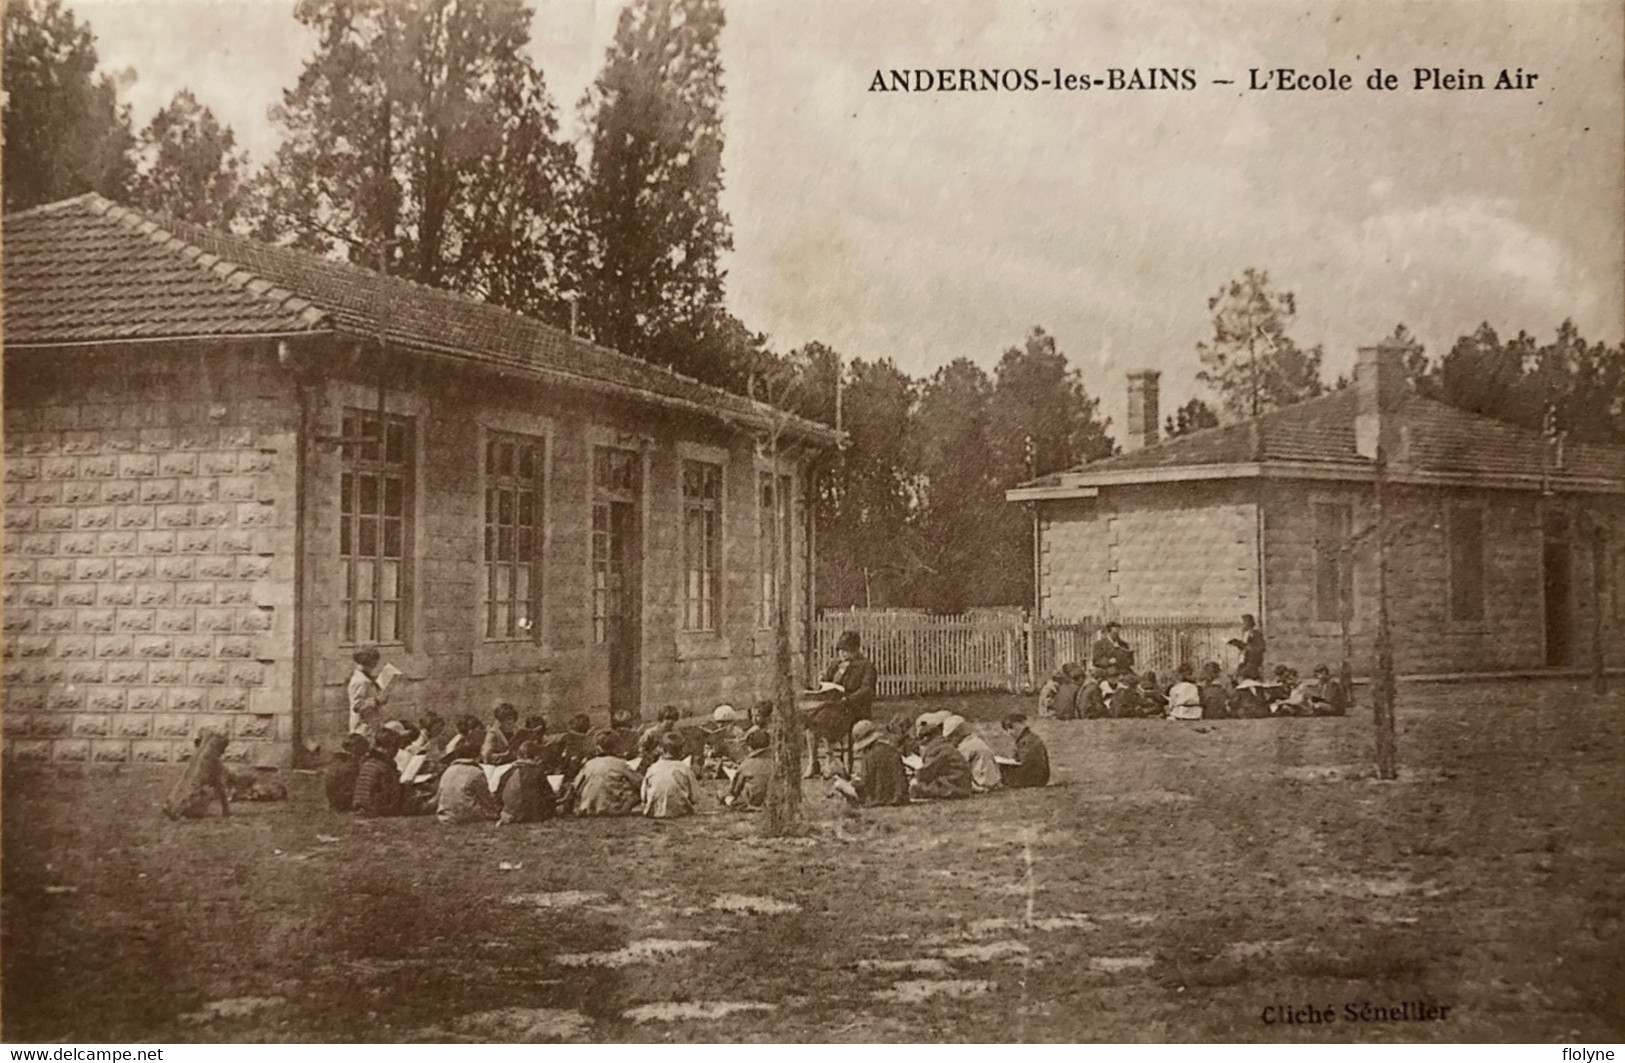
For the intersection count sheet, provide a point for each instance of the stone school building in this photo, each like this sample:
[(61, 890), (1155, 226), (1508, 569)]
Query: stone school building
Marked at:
[(229, 465), (1504, 545)]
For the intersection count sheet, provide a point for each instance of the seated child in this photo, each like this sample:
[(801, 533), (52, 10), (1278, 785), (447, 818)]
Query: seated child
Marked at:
[(649, 741), (1031, 768), (945, 772), (378, 782), (1215, 691), (465, 795), (668, 785), (878, 775), (577, 745), (497, 748), (749, 790), (533, 730), (606, 784), (1071, 694), (525, 794), (1047, 692), (1127, 701), (761, 718), (623, 728), (1185, 697), (984, 769), (1326, 697), (1288, 696), (721, 742), (468, 740), (1094, 698), (339, 777)]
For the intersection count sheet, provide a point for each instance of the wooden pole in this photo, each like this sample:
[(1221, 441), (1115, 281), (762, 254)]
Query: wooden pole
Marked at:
[(1599, 674), (1382, 676)]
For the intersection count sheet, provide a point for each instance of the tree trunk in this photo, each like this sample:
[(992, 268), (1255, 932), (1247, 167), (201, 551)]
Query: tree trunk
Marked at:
[(1599, 675), (1382, 675), (784, 787)]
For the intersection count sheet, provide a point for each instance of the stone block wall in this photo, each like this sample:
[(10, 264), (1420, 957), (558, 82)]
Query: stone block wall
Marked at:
[(1151, 550), (148, 555)]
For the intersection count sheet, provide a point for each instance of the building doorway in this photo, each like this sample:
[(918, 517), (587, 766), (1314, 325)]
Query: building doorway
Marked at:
[(1556, 570), (617, 573)]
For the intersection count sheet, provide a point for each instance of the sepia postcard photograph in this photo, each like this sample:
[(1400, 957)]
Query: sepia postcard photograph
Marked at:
[(744, 521)]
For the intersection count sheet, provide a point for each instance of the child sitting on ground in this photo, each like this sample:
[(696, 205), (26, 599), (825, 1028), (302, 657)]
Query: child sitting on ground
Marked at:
[(1185, 697), (339, 777), (378, 782), (749, 790), (606, 784), (467, 741), (465, 796), (649, 741), (498, 747), (668, 785), (577, 745), (525, 794), (1032, 756)]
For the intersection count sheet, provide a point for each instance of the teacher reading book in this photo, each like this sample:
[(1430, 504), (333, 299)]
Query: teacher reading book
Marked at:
[(846, 695)]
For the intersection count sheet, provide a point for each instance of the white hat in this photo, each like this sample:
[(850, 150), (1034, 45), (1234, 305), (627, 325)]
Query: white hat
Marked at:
[(951, 724), (724, 714)]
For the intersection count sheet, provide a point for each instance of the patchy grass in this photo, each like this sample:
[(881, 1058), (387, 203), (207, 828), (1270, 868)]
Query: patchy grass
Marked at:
[(1171, 884)]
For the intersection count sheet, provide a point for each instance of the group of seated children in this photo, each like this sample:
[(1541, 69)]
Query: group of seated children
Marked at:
[(943, 756), (513, 774), (1074, 693)]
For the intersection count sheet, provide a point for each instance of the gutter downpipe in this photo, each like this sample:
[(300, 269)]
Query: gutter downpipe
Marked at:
[(289, 361)]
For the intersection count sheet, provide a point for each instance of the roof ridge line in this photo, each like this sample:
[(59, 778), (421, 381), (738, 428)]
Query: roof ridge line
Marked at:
[(232, 274)]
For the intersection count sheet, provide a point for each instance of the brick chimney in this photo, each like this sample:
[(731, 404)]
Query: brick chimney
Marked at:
[(1143, 414), (1380, 388)]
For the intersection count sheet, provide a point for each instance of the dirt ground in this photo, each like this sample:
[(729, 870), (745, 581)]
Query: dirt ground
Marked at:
[(1173, 883)]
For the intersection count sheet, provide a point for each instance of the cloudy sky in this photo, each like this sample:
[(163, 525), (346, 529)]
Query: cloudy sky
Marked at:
[(928, 227)]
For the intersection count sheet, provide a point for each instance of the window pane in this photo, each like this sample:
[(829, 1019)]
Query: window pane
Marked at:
[(396, 452), (367, 537), (389, 622), (527, 463), (364, 631), (394, 497), (392, 538), (389, 579), (364, 580), (367, 497)]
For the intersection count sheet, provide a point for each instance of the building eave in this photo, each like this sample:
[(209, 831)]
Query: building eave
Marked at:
[(1083, 484)]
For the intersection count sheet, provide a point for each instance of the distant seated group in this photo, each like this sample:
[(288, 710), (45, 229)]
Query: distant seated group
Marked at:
[(506, 773), (940, 756), (1112, 689)]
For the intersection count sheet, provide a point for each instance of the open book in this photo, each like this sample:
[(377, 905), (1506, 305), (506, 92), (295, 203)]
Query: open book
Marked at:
[(412, 768), (494, 774), (827, 688), (386, 676), (1008, 762), (914, 762)]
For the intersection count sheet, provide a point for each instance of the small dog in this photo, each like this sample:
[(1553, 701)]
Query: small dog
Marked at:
[(205, 778)]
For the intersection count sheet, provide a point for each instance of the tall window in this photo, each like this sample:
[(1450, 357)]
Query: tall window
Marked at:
[(375, 503), (702, 544), (614, 508), (514, 467), (770, 565), (1466, 563), (1334, 571)]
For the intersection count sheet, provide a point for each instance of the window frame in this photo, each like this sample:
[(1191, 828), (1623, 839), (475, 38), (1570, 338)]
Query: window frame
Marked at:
[(600, 497), (1342, 560), (702, 599), (536, 486), (354, 465)]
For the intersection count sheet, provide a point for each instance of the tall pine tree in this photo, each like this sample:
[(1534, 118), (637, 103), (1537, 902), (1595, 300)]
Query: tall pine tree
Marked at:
[(193, 169), (654, 191), (420, 134), (65, 131)]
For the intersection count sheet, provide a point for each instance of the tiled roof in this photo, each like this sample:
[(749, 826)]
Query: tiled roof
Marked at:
[(86, 269), (1437, 439)]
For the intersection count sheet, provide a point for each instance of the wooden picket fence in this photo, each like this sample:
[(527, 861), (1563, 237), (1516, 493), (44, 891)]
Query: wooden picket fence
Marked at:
[(916, 653)]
